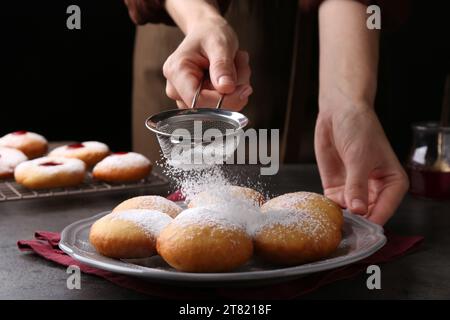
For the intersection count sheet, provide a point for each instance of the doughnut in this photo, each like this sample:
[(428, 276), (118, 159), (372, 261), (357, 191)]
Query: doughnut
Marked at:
[(203, 240), (128, 234), (9, 159), (313, 202), (122, 167), (90, 152), (150, 203), (297, 228), (50, 172), (226, 194), (33, 145)]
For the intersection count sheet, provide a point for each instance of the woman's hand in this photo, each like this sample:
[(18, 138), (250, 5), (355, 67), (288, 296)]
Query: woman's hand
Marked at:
[(209, 46), (358, 168)]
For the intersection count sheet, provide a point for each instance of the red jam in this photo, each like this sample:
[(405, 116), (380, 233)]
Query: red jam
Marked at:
[(20, 132), (75, 146), (50, 164), (120, 152)]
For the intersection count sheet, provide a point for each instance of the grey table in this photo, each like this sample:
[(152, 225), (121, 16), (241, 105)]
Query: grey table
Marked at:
[(423, 274)]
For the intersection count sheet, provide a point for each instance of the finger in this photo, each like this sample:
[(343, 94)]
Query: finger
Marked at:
[(330, 165), (222, 70), (242, 68), (182, 105), (337, 195), (389, 198), (235, 101), (356, 187), (171, 92), (185, 76)]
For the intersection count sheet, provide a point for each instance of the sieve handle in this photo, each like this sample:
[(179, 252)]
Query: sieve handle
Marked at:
[(197, 93)]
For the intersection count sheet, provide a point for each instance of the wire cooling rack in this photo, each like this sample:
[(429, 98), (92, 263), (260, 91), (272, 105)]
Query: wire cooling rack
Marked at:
[(10, 190)]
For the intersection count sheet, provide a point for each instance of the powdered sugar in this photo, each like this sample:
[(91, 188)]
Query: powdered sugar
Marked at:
[(208, 217), (217, 202), (122, 161), (94, 146), (17, 140), (309, 225), (10, 158), (151, 221), (66, 164), (150, 203), (294, 199)]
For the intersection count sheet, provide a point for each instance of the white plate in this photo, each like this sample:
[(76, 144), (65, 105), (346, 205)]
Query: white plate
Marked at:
[(361, 238)]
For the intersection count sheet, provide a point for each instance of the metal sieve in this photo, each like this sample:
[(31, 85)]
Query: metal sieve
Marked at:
[(187, 133)]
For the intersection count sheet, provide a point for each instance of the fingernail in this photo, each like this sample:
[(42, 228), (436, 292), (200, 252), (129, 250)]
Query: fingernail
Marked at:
[(358, 205), (246, 93), (225, 81)]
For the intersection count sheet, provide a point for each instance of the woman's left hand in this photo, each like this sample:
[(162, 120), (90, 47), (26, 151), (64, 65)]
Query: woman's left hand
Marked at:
[(357, 165)]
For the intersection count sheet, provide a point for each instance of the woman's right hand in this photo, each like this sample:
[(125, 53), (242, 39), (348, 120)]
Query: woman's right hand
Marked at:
[(212, 46)]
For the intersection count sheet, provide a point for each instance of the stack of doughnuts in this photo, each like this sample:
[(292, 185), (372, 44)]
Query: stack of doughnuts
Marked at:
[(22, 156), (215, 236)]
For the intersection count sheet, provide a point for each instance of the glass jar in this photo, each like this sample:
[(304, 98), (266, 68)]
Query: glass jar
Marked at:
[(429, 161)]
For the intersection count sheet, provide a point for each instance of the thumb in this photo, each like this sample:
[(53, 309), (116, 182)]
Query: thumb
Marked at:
[(222, 70), (356, 188)]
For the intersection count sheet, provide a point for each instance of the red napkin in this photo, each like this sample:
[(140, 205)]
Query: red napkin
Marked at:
[(45, 244)]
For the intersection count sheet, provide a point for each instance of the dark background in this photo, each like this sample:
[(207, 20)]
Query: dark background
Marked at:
[(67, 84), (76, 84)]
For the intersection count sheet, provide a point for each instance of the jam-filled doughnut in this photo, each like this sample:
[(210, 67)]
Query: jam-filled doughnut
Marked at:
[(200, 240), (150, 203), (128, 233), (9, 159), (226, 194), (122, 167), (50, 172), (33, 145), (298, 228), (90, 152)]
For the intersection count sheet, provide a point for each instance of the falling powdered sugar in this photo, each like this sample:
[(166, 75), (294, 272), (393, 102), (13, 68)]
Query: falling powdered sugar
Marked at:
[(151, 221), (191, 182), (224, 208)]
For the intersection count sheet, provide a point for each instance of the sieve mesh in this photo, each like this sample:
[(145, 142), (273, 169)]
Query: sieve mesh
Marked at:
[(189, 126)]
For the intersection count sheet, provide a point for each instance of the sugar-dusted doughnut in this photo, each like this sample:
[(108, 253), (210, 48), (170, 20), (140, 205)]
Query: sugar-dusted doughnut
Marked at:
[(33, 145), (150, 203), (128, 234), (122, 167), (90, 152), (9, 159), (203, 240), (314, 203), (226, 194), (298, 228), (50, 172)]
